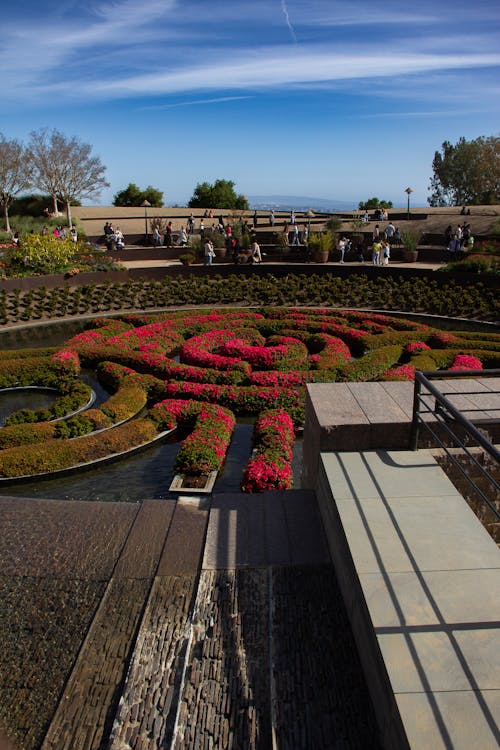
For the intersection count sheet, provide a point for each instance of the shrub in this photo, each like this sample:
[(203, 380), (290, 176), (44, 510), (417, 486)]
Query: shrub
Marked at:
[(40, 254), (25, 434), (125, 403), (372, 365), (204, 450), (271, 466), (55, 455)]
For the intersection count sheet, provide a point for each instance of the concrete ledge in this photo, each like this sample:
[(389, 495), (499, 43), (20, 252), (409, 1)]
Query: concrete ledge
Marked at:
[(367, 416), (421, 580)]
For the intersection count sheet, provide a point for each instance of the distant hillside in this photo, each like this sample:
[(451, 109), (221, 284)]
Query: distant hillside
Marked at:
[(298, 203)]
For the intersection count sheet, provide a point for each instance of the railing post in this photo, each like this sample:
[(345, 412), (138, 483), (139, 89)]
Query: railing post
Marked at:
[(414, 433)]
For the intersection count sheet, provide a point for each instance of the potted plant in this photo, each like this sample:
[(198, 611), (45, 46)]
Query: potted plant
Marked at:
[(320, 246), (186, 259), (410, 240)]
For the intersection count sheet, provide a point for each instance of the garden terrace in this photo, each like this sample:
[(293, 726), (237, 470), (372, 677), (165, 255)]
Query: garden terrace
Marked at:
[(200, 601), (247, 361)]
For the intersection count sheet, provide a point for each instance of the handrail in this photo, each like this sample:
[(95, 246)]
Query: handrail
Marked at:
[(448, 416)]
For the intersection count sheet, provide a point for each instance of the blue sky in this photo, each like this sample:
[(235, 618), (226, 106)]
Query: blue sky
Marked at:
[(298, 97)]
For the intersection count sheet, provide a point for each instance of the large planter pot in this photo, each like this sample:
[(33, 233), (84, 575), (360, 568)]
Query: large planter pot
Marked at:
[(410, 256), (321, 256), (220, 252)]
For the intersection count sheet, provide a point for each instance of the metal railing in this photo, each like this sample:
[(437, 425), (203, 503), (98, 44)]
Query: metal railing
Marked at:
[(450, 428)]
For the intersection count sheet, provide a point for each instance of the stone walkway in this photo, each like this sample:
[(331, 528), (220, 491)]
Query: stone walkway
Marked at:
[(217, 627)]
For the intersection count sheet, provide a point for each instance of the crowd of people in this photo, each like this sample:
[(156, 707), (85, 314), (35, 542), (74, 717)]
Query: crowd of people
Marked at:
[(113, 238), (242, 246), (459, 240)]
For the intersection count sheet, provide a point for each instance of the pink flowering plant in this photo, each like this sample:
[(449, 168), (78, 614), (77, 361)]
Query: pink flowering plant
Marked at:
[(466, 362), (402, 372), (270, 468), (67, 362), (205, 448), (248, 362), (416, 346)]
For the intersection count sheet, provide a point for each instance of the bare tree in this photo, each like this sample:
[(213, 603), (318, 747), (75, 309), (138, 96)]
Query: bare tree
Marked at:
[(43, 152), (65, 167), (15, 174)]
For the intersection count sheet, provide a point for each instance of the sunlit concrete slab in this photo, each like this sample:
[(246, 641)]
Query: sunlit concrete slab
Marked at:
[(364, 416), (421, 581), (384, 473), (456, 719)]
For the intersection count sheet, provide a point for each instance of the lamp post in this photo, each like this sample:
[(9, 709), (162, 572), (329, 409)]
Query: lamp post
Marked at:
[(146, 204), (408, 192)]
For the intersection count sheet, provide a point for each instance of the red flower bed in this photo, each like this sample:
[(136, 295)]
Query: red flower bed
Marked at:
[(466, 362), (204, 450), (271, 466), (249, 362), (403, 372)]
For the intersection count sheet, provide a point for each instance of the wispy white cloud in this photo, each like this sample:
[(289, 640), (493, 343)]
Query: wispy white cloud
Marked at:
[(282, 68), (195, 102), (287, 20), (123, 49), (419, 113)]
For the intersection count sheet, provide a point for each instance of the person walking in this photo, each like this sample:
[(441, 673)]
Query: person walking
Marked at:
[(341, 248), (156, 237), (376, 250), (209, 253), (386, 252), (256, 255), (167, 240)]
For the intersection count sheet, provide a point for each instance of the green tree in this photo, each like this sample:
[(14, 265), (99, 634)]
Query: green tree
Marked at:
[(373, 203), (466, 172), (219, 195), (34, 205), (14, 174), (134, 196)]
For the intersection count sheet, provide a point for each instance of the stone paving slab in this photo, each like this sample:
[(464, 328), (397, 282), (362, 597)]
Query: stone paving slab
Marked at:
[(479, 394), (421, 579), (147, 711), (62, 538), (383, 473), (441, 660), (439, 534), (276, 528), (86, 710), (225, 696), (145, 542), (87, 704), (43, 623), (321, 697), (459, 712), (181, 554)]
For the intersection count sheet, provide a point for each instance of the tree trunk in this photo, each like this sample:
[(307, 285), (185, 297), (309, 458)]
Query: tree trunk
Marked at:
[(56, 210), (6, 217), (68, 213)]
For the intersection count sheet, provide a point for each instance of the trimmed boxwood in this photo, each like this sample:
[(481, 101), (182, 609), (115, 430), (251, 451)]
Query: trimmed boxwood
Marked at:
[(311, 346), (372, 365), (55, 455), (125, 403), (25, 434)]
